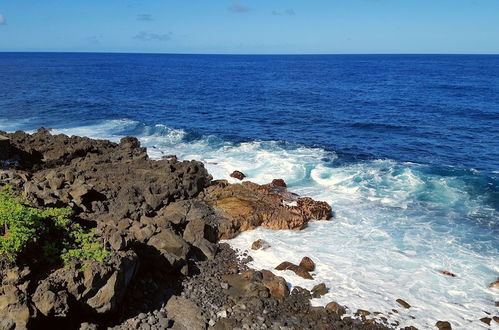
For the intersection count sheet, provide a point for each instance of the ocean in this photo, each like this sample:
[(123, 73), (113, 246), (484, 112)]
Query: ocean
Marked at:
[(404, 147)]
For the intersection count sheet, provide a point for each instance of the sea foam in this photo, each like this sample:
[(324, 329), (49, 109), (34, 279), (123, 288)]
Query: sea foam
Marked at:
[(396, 225)]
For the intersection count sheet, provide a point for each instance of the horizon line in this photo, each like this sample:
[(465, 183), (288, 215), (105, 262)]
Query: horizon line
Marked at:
[(245, 54)]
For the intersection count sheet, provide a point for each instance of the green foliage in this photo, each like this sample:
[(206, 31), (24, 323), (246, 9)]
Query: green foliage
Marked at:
[(59, 237)]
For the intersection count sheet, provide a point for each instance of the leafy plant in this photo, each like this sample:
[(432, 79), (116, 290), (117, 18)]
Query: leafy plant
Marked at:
[(52, 229)]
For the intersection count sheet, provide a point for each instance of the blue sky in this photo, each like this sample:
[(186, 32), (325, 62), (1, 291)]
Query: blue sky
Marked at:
[(251, 26)]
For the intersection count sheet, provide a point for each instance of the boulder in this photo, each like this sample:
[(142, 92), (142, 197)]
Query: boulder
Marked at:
[(443, 325), (277, 285), (403, 303), (319, 290), (336, 308), (168, 241), (259, 244), (185, 313), (486, 320), (51, 299), (279, 183), (307, 264), (14, 303), (294, 268), (237, 175)]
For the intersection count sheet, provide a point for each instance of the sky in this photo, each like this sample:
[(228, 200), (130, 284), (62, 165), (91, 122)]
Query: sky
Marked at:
[(251, 26)]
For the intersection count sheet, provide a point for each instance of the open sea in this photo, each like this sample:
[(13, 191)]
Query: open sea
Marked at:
[(404, 147)]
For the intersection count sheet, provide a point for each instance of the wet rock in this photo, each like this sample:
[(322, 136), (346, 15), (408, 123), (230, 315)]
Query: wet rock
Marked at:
[(260, 244), (246, 206), (496, 319), (486, 320), (362, 312), (443, 325), (312, 209), (403, 303), (446, 272), (279, 183), (319, 290), (185, 313), (307, 264), (296, 269), (238, 175), (336, 308), (494, 284)]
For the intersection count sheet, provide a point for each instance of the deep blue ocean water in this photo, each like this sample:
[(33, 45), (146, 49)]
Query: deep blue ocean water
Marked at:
[(405, 148)]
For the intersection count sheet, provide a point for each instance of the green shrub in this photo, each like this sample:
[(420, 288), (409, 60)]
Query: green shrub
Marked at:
[(51, 229)]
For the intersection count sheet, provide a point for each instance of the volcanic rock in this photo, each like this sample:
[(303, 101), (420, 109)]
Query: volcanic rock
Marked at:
[(446, 272), (238, 175), (296, 269), (259, 244), (279, 183), (319, 290), (307, 264), (443, 325), (336, 308), (403, 303), (494, 284)]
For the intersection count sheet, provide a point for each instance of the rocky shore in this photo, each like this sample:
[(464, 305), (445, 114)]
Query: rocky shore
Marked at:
[(159, 224)]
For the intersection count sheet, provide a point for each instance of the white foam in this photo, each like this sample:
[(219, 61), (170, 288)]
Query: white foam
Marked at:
[(395, 226)]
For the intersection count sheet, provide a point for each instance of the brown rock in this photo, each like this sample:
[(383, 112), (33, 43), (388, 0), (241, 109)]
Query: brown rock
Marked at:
[(486, 320), (186, 313), (247, 205), (259, 244), (279, 183), (319, 290), (362, 312), (296, 269), (494, 284), (277, 286), (336, 308), (446, 272), (403, 303), (307, 264), (443, 325), (496, 318), (238, 175)]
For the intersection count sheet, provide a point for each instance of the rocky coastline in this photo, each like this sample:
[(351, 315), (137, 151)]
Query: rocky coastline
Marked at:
[(160, 221)]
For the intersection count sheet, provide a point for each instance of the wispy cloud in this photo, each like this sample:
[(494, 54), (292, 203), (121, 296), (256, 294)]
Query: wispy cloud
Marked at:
[(238, 7), (2, 20), (287, 12), (151, 36), (144, 17)]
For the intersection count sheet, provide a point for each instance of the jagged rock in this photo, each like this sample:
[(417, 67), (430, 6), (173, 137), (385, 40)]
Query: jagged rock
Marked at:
[(237, 175), (260, 244), (14, 300), (277, 285), (51, 299), (185, 313), (403, 303), (248, 205), (296, 269), (108, 297), (443, 325), (168, 241), (307, 264)]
